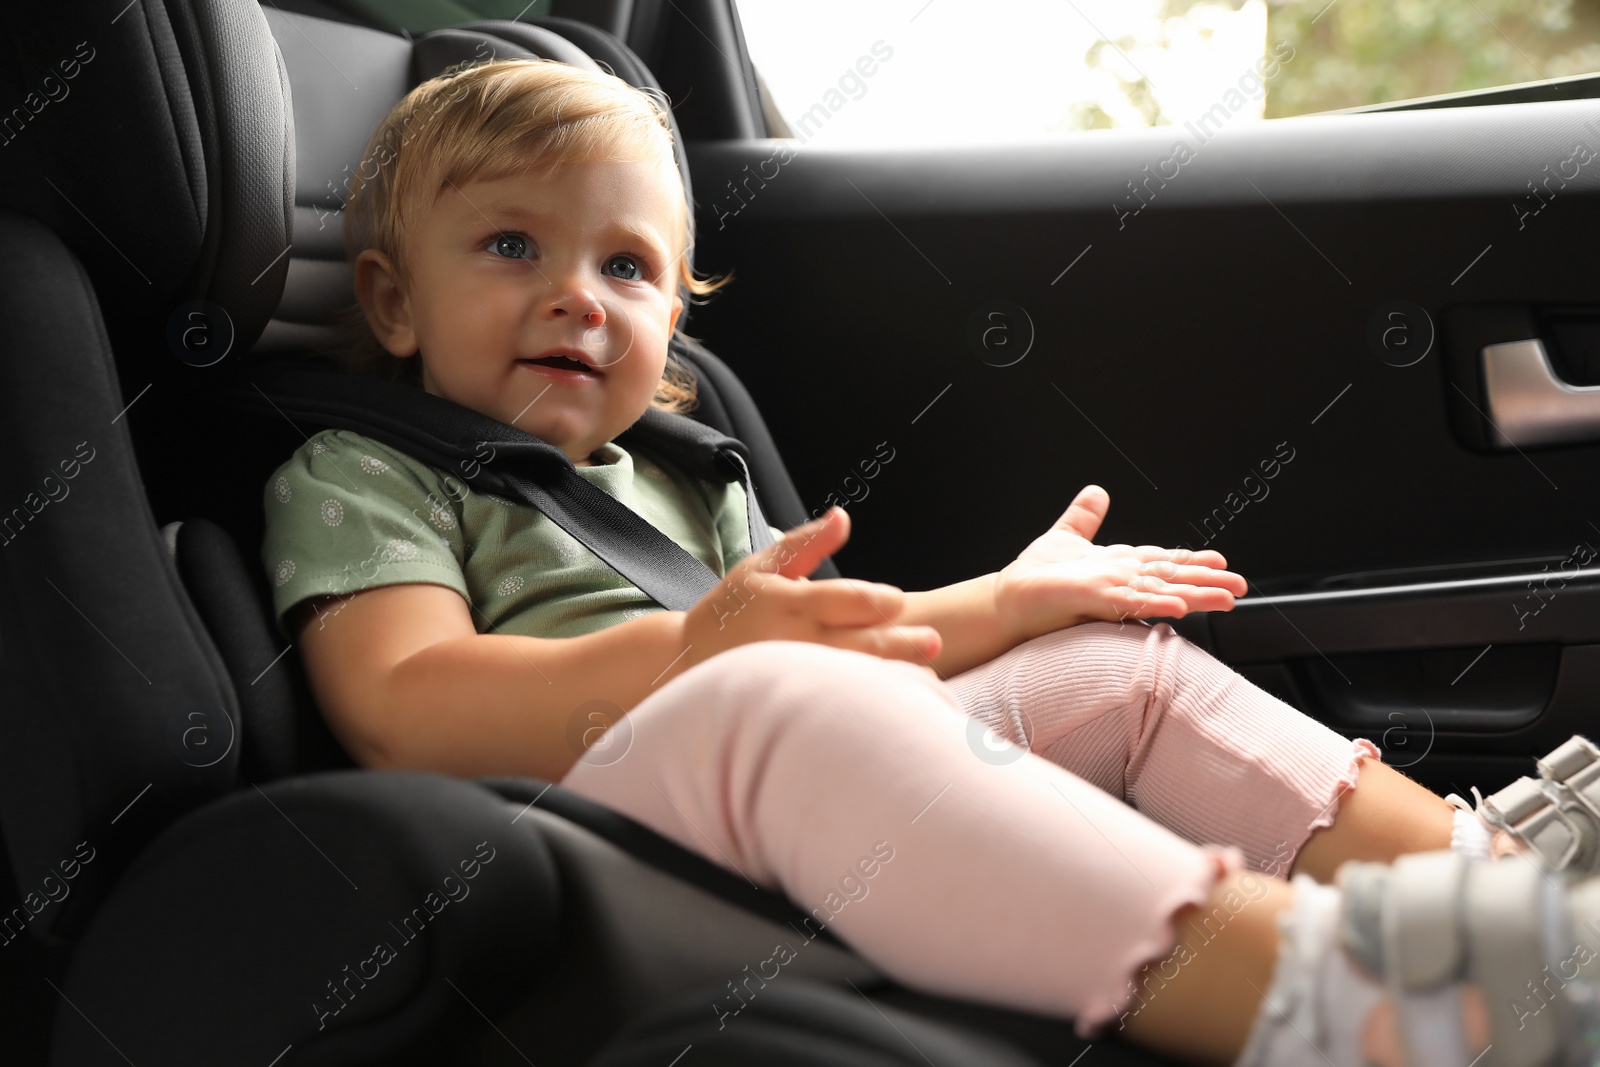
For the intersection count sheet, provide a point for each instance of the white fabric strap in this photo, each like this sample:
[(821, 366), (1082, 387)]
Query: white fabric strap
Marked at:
[(1421, 923), (1505, 927), (1425, 953)]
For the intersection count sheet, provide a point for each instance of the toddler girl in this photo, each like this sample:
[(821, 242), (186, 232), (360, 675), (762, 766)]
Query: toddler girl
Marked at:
[(1007, 790)]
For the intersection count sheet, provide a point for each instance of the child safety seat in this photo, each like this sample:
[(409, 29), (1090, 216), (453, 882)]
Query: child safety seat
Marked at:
[(188, 882)]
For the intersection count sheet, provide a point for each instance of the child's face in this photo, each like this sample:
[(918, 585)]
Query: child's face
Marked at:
[(582, 257)]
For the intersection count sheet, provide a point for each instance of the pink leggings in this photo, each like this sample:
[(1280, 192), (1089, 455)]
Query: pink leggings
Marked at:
[(1038, 875)]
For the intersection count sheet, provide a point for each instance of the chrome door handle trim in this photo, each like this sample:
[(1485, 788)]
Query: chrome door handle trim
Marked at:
[(1529, 405)]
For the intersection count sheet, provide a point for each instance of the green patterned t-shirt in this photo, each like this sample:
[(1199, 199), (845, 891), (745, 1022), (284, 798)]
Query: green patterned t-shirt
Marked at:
[(346, 513)]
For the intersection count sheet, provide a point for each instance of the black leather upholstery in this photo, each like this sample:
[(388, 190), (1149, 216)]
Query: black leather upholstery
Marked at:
[(416, 904), (102, 655), (165, 165), (799, 1024)]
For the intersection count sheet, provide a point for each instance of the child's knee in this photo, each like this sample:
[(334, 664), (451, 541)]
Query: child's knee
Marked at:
[(1129, 630), (1107, 640)]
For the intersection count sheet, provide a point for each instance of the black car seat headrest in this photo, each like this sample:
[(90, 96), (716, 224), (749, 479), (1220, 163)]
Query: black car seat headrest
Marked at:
[(346, 78), (156, 139), (491, 39)]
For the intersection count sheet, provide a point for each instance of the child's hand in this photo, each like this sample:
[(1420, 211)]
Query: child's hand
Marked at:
[(768, 596), (1062, 579)]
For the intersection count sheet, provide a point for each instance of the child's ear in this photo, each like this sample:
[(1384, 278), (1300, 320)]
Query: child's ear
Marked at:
[(677, 309), (385, 304)]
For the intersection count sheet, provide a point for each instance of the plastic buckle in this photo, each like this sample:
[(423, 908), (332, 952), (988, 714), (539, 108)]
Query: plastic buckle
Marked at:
[(1575, 767), (1528, 808), (1570, 757)]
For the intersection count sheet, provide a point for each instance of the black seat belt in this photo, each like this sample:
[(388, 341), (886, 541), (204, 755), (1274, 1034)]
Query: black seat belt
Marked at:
[(498, 458)]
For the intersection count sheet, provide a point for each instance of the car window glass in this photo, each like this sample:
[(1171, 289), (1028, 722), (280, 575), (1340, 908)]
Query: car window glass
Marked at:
[(844, 72)]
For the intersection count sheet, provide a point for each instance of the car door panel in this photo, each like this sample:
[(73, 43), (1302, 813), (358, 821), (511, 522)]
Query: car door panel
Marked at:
[(1268, 342)]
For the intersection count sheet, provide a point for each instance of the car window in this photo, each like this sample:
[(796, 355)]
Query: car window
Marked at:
[(940, 72)]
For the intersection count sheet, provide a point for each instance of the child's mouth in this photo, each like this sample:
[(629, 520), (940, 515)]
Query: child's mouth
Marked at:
[(561, 367)]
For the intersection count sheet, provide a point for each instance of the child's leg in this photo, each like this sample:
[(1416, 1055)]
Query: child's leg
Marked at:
[(846, 782), (1148, 716)]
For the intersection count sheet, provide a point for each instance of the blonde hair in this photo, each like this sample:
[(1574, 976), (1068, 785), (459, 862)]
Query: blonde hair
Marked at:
[(491, 120)]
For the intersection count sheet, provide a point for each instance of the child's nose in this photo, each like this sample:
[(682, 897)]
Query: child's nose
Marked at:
[(578, 301)]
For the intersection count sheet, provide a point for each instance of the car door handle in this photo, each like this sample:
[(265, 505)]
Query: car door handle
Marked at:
[(1529, 405)]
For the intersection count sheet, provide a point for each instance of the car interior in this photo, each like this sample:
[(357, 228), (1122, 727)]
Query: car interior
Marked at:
[(949, 342)]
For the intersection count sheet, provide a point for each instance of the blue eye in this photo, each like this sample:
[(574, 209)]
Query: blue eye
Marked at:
[(625, 267), (510, 245)]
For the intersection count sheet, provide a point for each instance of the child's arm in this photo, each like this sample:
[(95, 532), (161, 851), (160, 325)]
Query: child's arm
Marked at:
[(404, 679), (1061, 579), (967, 620)]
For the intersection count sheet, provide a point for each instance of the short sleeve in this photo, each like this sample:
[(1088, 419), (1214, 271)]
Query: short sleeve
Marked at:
[(346, 513)]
